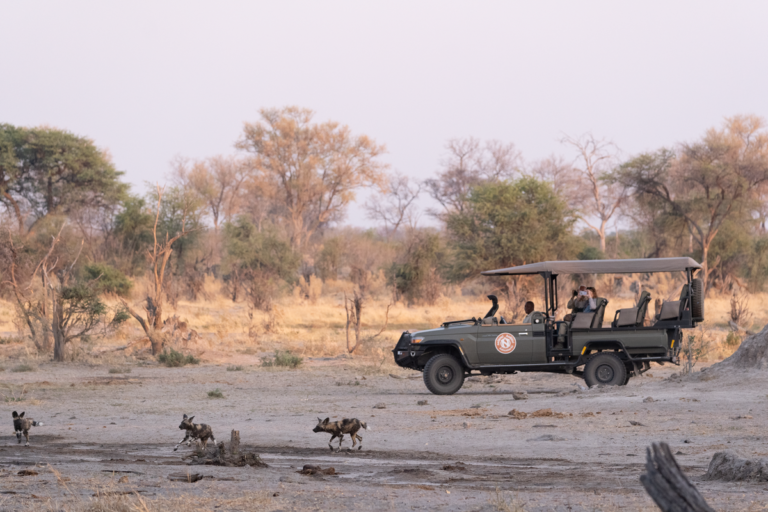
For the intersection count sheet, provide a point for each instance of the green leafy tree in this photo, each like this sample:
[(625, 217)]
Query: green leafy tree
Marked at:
[(510, 223), (416, 277), (256, 261), (46, 170)]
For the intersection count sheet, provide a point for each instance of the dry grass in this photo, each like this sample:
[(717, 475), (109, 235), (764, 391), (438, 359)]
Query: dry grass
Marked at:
[(316, 327)]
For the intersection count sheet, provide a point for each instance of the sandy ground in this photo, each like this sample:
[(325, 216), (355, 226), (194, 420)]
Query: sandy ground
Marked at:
[(460, 452)]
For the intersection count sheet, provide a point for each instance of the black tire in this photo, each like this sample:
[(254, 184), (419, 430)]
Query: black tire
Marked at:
[(626, 380), (697, 300), (606, 369), (443, 374)]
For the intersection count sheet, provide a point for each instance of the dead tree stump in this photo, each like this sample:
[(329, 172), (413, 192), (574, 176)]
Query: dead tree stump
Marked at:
[(234, 443), (667, 485)]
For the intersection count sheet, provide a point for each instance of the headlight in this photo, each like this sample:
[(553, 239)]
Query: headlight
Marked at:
[(417, 340)]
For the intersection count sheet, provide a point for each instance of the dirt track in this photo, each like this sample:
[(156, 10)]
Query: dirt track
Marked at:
[(452, 453)]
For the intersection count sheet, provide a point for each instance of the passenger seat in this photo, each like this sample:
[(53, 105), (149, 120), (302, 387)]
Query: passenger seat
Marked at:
[(673, 309), (633, 317), (591, 320)]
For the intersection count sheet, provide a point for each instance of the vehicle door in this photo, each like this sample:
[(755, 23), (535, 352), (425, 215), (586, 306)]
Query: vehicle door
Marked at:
[(504, 344)]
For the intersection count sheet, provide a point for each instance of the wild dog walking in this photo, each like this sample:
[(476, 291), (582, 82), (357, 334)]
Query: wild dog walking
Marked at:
[(339, 428), (21, 425), (199, 431)]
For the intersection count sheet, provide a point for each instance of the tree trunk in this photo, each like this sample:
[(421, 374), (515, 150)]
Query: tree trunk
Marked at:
[(704, 266), (59, 338), (667, 485)]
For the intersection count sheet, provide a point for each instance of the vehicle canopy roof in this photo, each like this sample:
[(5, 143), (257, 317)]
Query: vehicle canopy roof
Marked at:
[(629, 266)]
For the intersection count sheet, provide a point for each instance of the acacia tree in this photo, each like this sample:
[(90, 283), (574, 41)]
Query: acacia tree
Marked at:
[(395, 204), (314, 169), (707, 182), (152, 320), (599, 197), (46, 170)]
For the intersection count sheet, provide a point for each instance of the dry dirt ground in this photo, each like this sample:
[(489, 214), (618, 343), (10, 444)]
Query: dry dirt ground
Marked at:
[(461, 452)]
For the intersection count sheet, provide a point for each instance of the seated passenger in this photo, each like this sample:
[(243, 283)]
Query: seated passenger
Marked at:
[(579, 301), (529, 307), (591, 300)]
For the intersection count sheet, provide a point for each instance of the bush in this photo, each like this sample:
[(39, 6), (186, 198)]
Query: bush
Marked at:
[(235, 368), (216, 393), (119, 370), (107, 279), (282, 359), (175, 359), (733, 340), (22, 368)]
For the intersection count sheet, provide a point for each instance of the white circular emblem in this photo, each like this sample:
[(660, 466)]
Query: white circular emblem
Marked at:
[(505, 343)]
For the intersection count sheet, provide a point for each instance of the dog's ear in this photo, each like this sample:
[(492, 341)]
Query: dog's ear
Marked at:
[(318, 419), (21, 415), (191, 418), (16, 415), (185, 417), (325, 421)]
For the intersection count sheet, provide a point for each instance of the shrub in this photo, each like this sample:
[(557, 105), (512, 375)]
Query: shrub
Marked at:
[(175, 359), (235, 368), (733, 340), (119, 370), (22, 368), (216, 393), (107, 279), (282, 359)]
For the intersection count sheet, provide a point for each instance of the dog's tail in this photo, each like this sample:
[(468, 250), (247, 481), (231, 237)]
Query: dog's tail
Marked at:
[(37, 423), (365, 425)]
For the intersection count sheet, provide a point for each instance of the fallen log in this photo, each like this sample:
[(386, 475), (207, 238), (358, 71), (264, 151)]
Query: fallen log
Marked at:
[(667, 485)]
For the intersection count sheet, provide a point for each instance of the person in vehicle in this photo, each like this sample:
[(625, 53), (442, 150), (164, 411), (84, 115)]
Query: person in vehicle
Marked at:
[(529, 308), (578, 302), (591, 300)]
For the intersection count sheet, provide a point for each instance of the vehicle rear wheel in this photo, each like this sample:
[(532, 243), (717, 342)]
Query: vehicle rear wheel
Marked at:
[(626, 380), (605, 368), (443, 374)]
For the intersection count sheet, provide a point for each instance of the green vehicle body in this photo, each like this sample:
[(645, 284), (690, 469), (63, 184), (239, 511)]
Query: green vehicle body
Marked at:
[(546, 345)]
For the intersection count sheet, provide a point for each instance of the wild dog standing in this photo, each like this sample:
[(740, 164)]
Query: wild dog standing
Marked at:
[(199, 431), (339, 428), (21, 425)]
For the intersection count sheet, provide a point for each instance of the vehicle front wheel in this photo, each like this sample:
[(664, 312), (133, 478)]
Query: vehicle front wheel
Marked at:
[(443, 374), (606, 369)]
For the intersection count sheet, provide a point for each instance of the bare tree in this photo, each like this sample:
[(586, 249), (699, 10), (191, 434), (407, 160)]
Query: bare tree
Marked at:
[(314, 169), (565, 180), (217, 180), (394, 205), (468, 163), (152, 321), (601, 198)]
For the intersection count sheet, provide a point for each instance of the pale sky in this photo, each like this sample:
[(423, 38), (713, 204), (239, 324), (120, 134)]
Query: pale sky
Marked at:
[(152, 80)]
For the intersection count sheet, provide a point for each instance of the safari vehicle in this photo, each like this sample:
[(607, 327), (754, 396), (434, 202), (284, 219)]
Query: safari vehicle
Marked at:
[(581, 346)]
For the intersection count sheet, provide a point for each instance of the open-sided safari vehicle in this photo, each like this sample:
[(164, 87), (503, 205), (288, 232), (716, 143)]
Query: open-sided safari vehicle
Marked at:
[(580, 346)]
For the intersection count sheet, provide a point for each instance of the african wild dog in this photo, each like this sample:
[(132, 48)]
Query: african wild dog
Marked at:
[(339, 428), (21, 425), (199, 431)]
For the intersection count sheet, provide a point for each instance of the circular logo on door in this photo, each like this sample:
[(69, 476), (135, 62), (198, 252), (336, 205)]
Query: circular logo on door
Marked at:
[(505, 343)]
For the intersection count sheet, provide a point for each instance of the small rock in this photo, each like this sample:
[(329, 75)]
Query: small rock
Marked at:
[(648, 374), (648, 400), (380, 405), (422, 402), (465, 425), (518, 415), (636, 423), (679, 453), (123, 479), (687, 441), (519, 396)]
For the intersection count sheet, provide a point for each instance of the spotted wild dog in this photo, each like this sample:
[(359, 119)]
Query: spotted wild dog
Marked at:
[(199, 431), (339, 428), (21, 425)]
